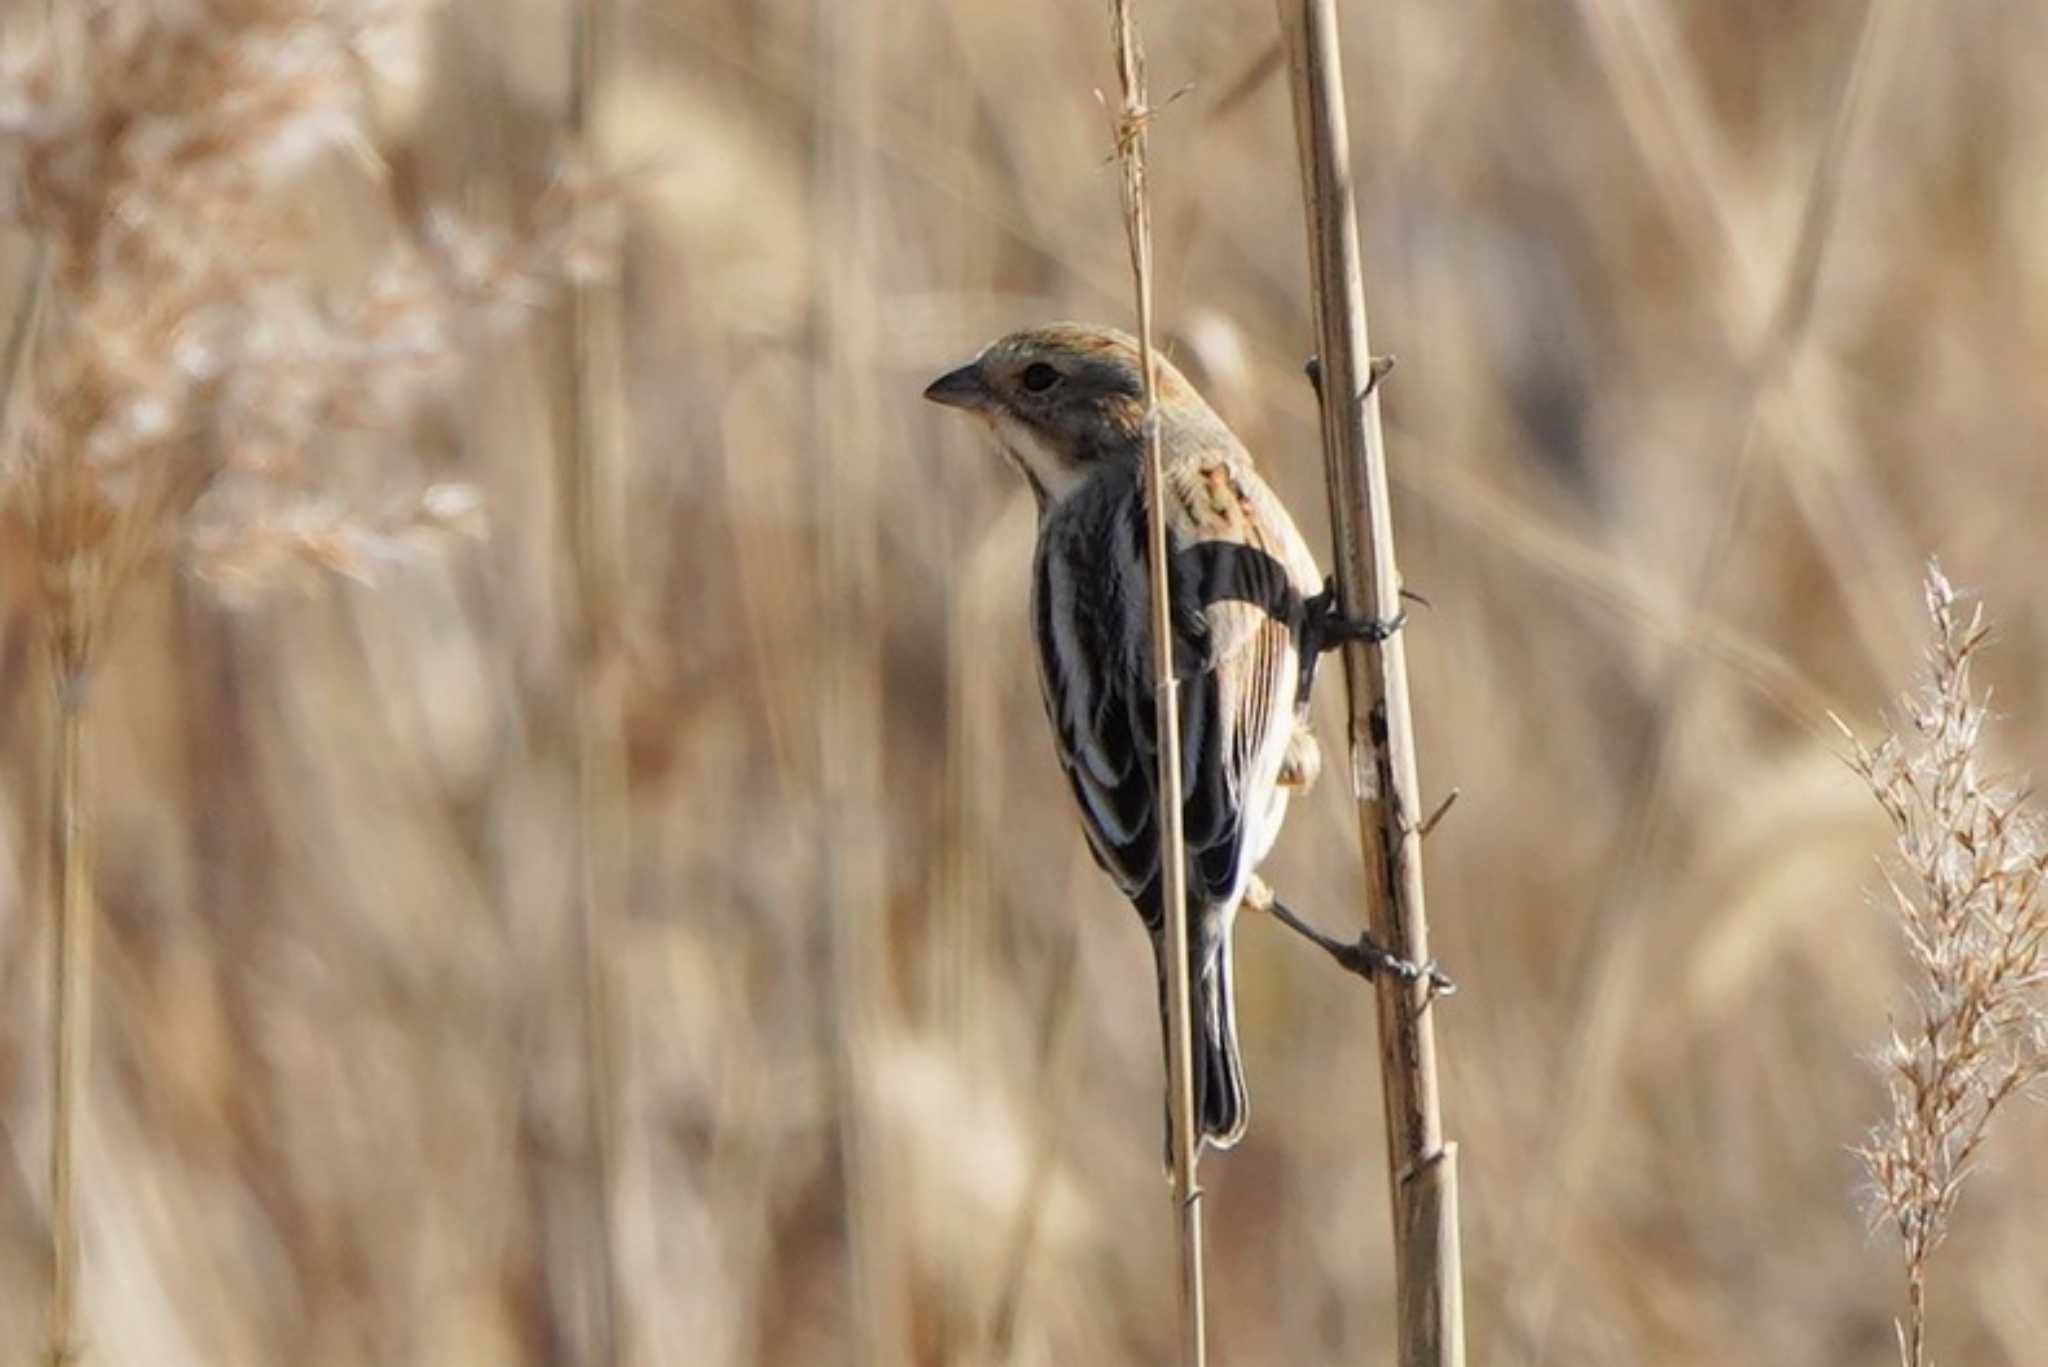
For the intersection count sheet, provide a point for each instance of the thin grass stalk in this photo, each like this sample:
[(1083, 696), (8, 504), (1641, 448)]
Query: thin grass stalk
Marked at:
[(593, 522), (71, 1002), (1422, 1167), (854, 931), (1133, 115), (68, 650), (1913, 1336), (69, 644)]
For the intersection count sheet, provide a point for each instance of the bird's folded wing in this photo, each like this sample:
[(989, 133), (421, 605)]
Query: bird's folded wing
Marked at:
[(1234, 646), (1248, 569)]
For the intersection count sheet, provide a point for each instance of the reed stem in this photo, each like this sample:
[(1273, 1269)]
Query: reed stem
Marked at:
[(1133, 116), (71, 1005), (592, 521), (1421, 1165)]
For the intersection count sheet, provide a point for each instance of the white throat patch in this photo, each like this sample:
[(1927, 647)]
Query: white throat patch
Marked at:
[(1040, 463)]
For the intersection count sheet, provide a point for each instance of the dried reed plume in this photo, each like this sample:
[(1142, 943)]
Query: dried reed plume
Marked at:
[(1966, 885), (1132, 116), (177, 371)]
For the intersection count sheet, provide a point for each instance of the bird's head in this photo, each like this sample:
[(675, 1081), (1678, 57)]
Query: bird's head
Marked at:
[(1067, 401)]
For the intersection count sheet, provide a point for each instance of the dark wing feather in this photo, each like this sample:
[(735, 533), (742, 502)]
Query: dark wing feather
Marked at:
[(1089, 584)]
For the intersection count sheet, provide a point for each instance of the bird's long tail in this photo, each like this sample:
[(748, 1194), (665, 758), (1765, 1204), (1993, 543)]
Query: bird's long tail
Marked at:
[(1222, 1106)]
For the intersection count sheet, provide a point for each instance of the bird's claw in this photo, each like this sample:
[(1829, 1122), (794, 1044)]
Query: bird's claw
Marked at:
[(1330, 628), (1377, 368), (1371, 630), (1365, 956), (1368, 958)]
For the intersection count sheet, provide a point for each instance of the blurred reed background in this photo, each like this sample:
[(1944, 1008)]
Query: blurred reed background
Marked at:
[(1695, 369)]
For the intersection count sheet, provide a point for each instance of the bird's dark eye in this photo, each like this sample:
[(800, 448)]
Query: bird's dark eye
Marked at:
[(1039, 377)]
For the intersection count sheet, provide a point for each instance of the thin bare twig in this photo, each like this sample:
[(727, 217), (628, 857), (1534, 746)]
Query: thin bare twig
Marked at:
[(852, 931), (1422, 1166), (586, 486), (71, 939), (71, 984), (73, 899), (1133, 116)]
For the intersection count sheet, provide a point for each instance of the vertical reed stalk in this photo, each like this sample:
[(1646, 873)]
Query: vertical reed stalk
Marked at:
[(593, 521), (68, 648), (1422, 1167), (71, 999), (1133, 115), (854, 933), (1913, 1337), (71, 616)]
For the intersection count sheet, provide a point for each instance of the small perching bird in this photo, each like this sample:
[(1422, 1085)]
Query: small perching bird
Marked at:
[(1251, 613)]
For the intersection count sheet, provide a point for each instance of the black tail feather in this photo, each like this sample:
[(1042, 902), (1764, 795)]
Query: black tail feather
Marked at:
[(1222, 1105)]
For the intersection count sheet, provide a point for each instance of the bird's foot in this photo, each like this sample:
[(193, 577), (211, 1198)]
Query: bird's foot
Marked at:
[(1368, 958), (1327, 628), (1365, 956), (1377, 368)]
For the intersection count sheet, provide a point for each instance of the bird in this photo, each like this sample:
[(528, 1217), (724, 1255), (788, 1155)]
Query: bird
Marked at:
[(1250, 614)]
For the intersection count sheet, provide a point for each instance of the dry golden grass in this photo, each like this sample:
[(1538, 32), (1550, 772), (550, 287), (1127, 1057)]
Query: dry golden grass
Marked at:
[(1130, 137), (337, 1075)]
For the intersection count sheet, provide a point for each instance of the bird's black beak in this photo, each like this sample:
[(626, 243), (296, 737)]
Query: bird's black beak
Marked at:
[(962, 388)]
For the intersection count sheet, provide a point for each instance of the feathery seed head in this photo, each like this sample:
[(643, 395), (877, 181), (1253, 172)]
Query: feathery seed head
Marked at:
[(184, 373), (1967, 888)]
